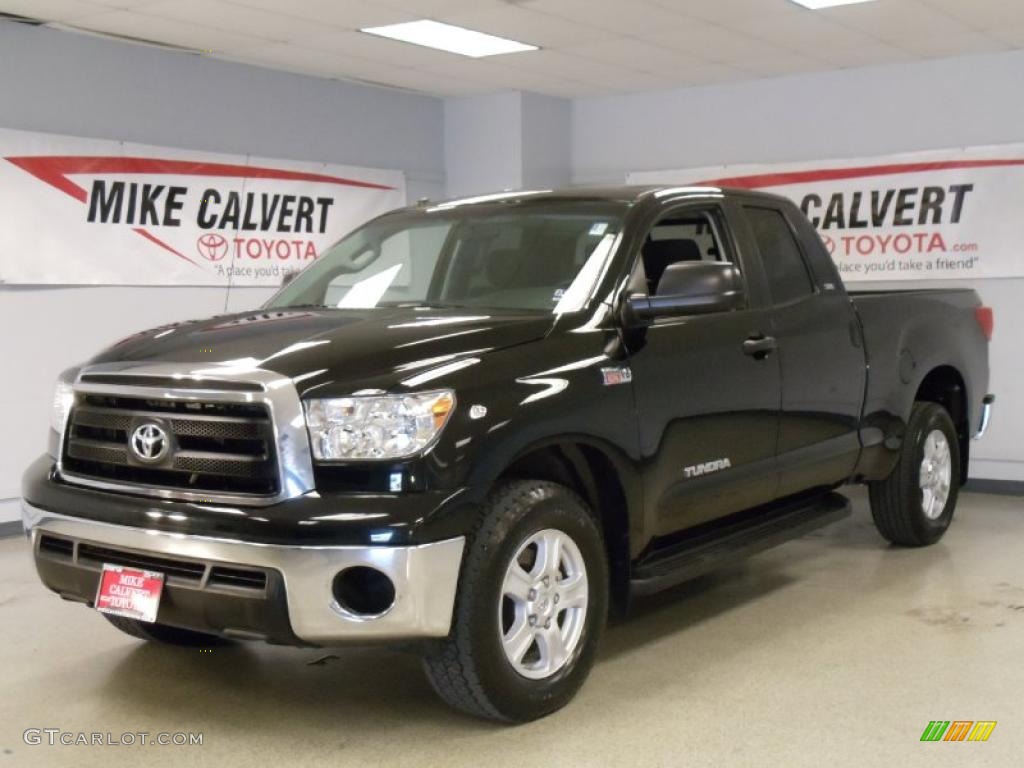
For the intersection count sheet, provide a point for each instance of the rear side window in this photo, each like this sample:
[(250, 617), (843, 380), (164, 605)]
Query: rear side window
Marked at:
[(788, 278)]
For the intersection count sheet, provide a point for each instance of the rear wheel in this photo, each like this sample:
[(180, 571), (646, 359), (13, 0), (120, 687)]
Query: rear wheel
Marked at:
[(163, 633), (532, 601), (914, 505)]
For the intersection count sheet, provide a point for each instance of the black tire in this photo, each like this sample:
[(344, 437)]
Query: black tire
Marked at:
[(163, 633), (896, 502), (469, 669)]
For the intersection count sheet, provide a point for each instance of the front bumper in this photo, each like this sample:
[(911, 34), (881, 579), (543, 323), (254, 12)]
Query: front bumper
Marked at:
[(295, 604)]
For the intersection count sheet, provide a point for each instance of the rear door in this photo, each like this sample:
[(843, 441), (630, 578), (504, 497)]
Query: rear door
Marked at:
[(819, 350), (708, 409)]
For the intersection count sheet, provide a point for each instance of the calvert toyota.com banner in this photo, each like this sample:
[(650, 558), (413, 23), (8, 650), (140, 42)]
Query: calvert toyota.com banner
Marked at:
[(83, 211), (926, 215)]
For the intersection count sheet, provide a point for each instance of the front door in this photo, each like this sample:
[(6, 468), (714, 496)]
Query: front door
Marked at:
[(707, 401)]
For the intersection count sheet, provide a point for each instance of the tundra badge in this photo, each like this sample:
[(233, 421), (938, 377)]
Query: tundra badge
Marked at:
[(706, 468)]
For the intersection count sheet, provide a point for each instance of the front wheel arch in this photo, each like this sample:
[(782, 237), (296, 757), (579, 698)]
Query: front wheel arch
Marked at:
[(470, 669), (605, 481)]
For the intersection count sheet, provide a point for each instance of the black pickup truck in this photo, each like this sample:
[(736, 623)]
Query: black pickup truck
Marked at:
[(475, 427)]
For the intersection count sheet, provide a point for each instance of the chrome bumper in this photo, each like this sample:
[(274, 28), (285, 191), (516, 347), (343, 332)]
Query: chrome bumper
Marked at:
[(986, 415), (425, 576)]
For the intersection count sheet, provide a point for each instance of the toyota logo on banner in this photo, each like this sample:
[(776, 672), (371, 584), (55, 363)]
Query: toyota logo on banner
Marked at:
[(212, 246)]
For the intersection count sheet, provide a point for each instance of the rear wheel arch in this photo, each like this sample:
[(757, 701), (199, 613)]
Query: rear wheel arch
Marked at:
[(945, 386), (914, 505)]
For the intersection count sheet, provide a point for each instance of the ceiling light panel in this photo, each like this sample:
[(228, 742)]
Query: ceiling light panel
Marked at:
[(817, 5), (447, 37)]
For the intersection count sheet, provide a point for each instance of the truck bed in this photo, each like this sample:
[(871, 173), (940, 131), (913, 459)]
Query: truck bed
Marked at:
[(910, 333)]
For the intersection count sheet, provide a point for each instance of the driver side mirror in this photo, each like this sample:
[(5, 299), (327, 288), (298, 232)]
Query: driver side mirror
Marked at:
[(690, 288)]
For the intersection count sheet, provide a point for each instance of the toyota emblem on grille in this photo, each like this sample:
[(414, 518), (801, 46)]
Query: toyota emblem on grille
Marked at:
[(149, 442)]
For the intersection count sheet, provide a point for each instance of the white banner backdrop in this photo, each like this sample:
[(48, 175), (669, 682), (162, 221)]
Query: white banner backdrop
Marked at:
[(84, 211), (925, 215)]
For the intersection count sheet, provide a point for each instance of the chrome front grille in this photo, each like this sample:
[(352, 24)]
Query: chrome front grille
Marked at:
[(238, 433), (216, 446)]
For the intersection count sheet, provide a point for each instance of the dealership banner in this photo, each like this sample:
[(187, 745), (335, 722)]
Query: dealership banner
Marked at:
[(84, 211), (926, 215)]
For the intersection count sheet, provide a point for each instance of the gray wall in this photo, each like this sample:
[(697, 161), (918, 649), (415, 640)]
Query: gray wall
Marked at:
[(547, 141), (59, 82), (898, 108), (506, 141), (482, 144)]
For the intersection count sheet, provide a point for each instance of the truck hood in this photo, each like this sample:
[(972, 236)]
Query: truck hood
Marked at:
[(376, 347)]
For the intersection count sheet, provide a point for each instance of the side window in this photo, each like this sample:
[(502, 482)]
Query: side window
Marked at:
[(681, 236), (788, 278)]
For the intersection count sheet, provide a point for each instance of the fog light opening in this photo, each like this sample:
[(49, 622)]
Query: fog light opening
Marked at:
[(363, 592)]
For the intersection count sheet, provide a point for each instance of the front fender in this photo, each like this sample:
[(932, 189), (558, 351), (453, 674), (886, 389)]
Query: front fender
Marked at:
[(557, 392)]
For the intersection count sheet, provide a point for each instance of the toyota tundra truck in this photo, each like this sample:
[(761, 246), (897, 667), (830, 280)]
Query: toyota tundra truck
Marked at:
[(473, 428)]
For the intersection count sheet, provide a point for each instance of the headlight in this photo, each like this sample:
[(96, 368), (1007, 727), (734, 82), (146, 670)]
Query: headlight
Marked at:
[(63, 397), (376, 426)]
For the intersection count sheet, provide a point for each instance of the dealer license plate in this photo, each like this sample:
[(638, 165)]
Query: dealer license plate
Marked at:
[(129, 592)]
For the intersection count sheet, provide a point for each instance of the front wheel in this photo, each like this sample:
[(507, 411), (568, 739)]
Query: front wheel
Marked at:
[(914, 506), (532, 601)]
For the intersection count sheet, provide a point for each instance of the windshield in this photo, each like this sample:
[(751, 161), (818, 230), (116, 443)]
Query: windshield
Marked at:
[(545, 258)]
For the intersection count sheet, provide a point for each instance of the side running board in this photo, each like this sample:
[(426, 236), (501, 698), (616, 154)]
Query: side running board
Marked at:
[(707, 550)]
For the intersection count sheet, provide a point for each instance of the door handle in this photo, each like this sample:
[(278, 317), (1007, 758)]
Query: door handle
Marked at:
[(760, 346)]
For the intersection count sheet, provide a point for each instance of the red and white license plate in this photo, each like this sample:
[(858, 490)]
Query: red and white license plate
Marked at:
[(129, 592)]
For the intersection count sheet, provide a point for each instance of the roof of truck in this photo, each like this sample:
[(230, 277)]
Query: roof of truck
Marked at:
[(624, 193)]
